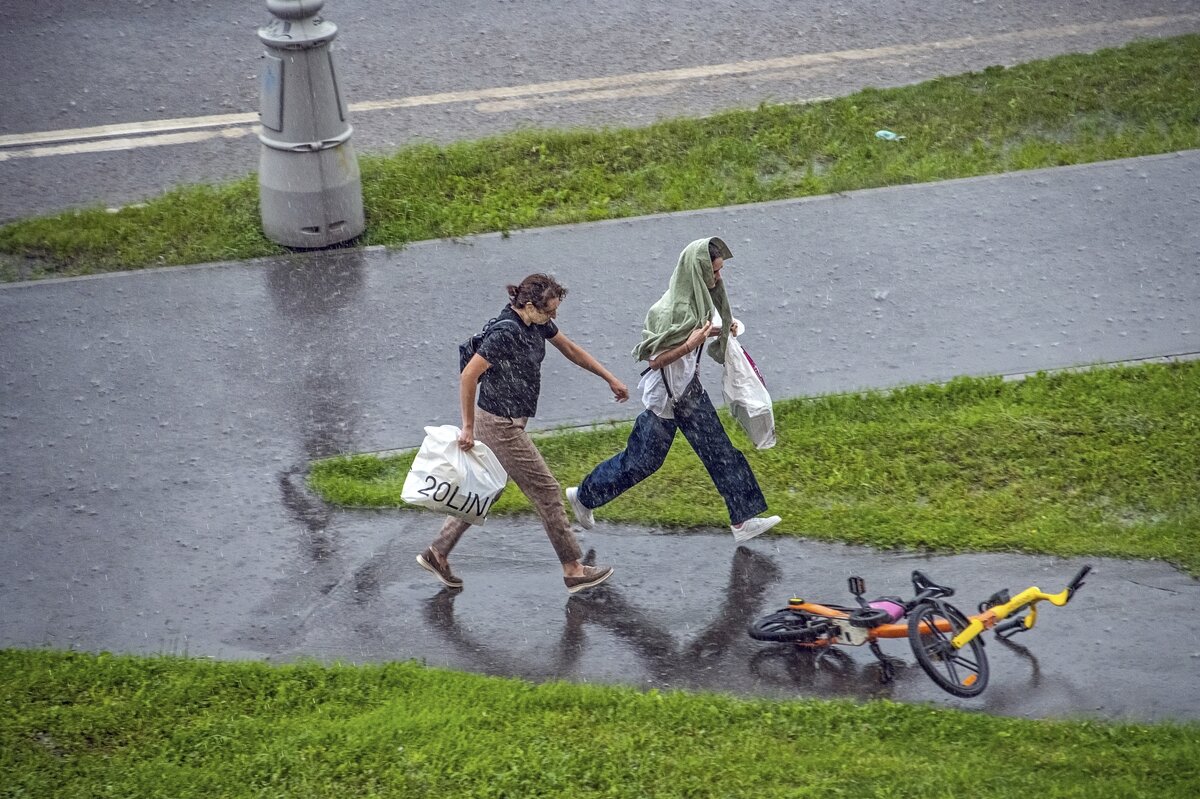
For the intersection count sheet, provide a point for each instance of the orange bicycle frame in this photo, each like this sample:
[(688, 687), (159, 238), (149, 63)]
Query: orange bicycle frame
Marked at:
[(856, 636)]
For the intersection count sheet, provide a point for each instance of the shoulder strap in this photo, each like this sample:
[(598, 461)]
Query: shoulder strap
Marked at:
[(667, 383), (471, 346), (493, 322), (496, 323), (492, 325), (650, 369)]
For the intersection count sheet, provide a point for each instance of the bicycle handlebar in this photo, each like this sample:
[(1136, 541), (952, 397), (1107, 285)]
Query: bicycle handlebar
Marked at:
[(1034, 594), (1010, 625), (1077, 581), (1028, 598)]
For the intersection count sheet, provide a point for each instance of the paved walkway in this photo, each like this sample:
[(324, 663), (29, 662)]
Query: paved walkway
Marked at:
[(156, 425)]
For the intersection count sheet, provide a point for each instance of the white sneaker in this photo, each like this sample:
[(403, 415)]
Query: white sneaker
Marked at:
[(751, 527), (582, 515)]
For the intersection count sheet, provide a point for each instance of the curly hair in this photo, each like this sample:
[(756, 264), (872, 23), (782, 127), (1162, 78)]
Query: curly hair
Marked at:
[(538, 289)]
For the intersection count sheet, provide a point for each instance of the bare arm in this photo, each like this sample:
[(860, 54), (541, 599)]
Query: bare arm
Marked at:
[(694, 340), (468, 384), (582, 358)]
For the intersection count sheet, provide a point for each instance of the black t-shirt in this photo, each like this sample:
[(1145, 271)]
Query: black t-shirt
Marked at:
[(515, 351)]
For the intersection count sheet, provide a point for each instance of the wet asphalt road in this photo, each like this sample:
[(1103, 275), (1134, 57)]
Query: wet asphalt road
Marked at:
[(413, 72), (156, 427)]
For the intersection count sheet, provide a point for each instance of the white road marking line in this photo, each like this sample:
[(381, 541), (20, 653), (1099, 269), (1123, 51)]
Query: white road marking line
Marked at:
[(749, 67), (127, 129), (126, 143), (504, 98), (577, 97)]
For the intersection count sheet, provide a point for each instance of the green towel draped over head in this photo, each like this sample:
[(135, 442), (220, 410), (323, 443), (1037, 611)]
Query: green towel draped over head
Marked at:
[(687, 304)]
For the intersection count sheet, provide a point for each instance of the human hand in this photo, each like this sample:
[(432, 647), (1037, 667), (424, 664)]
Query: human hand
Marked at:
[(466, 438), (735, 329), (620, 392), (697, 336)]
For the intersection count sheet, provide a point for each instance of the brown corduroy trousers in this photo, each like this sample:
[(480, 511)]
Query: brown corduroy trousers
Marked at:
[(525, 466)]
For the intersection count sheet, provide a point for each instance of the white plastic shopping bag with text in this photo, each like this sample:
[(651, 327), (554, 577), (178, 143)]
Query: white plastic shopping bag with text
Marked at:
[(449, 480)]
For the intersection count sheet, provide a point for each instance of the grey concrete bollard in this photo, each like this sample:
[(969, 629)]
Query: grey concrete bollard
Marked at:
[(310, 191)]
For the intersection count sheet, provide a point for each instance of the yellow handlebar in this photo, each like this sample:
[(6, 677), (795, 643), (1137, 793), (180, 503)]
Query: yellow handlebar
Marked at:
[(1031, 595), (1027, 598)]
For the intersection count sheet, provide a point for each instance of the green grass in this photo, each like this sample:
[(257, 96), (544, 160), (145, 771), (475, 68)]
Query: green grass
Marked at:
[(88, 726), (1103, 462), (1137, 100)]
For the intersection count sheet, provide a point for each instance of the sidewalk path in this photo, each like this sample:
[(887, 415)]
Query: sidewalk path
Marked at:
[(156, 425)]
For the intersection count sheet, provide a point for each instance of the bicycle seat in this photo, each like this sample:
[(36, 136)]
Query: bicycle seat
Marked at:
[(922, 584)]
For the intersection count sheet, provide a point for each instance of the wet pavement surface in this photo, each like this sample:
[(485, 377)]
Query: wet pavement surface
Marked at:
[(540, 68), (156, 428)]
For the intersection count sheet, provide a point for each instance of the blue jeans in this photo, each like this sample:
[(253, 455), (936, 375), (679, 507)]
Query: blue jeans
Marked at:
[(649, 444)]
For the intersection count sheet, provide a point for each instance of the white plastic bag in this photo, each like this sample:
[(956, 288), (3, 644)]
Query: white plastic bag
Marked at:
[(449, 480), (747, 396)]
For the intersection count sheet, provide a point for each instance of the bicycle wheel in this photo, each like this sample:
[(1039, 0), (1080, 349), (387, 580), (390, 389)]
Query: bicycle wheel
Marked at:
[(962, 672), (787, 626)]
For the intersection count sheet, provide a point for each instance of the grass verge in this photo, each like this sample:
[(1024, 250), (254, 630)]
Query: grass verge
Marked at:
[(1103, 462), (92, 726), (1141, 99)]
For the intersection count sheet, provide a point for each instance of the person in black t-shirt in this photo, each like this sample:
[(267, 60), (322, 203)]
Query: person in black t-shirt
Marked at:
[(506, 372)]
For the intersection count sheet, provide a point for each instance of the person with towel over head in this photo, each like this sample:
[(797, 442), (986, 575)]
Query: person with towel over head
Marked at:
[(676, 329)]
